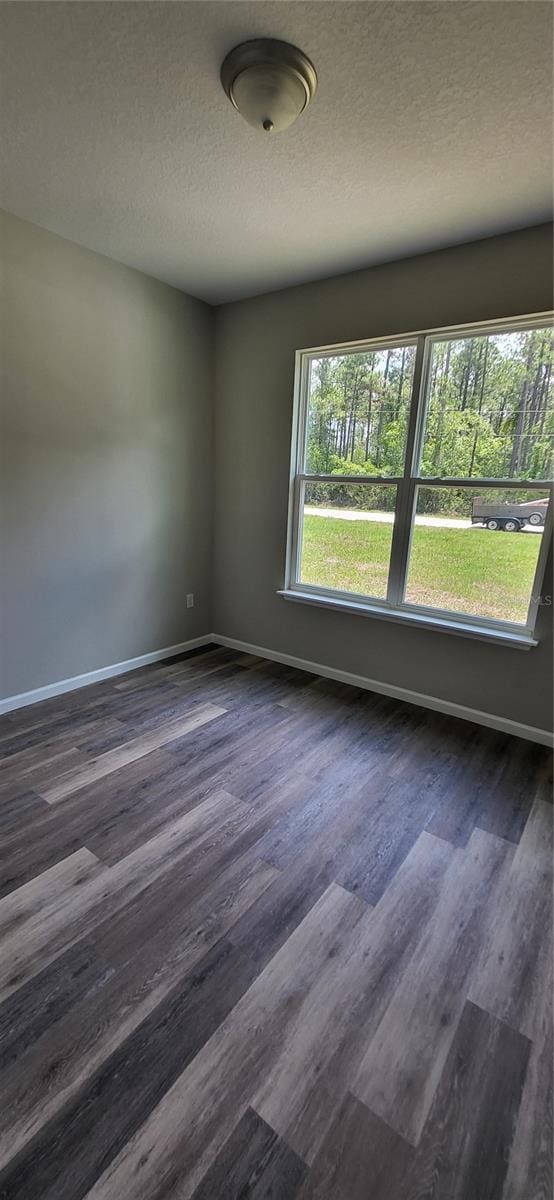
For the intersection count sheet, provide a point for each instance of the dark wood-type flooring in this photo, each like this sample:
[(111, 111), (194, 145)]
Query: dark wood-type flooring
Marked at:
[(267, 937)]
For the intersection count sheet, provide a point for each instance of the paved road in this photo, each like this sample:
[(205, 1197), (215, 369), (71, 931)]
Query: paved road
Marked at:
[(349, 514)]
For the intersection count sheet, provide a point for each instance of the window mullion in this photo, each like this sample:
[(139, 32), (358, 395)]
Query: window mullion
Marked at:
[(297, 530), (296, 485), (540, 569), (476, 481), (357, 480), (405, 494)]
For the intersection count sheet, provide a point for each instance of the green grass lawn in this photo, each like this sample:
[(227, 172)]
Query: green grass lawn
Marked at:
[(463, 570)]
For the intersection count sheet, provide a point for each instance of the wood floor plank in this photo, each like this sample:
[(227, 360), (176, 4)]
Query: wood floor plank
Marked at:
[(45, 1000), (222, 947), (242, 686), (114, 815), (102, 736), (261, 759), (23, 763), (387, 827), (229, 685), (59, 709), (40, 777), (371, 834), (150, 705), (254, 1164), (69, 916), (465, 1146), (18, 816), (514, 981), (508, 804), (326, 1020), (41, 764), (114, 760), (122, 997), (406, 907), (175, 1146), (230, 749), (28, 903), (199, 653), (514, 963), (344, 755), (530, 1172), (211, 664), (31, 747), (264, 928), (361, 1158), (397, 1079), (472, 772), (67, 1155)]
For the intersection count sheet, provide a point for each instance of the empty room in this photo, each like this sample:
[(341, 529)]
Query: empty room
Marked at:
[(276, 597)]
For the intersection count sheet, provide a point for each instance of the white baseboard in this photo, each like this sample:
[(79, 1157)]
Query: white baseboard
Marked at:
[(9, 703), (503, 724), (491, 720)]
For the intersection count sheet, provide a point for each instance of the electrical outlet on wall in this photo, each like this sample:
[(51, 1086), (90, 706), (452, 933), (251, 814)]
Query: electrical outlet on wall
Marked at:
[(190, 599)]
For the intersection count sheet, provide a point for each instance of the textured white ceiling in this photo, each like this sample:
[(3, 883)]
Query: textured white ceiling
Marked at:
[(432, 125)]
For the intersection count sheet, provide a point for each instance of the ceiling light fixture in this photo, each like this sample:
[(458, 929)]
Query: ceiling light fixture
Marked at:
[(269, 82)]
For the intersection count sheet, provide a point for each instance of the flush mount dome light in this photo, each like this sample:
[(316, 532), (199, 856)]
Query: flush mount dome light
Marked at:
[(269, 82)]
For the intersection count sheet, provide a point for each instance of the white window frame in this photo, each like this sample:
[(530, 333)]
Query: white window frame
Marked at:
[(395, 607)]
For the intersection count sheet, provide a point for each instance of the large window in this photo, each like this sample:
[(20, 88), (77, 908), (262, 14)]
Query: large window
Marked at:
[(421, 476)]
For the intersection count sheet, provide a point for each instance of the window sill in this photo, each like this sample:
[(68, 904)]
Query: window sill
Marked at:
[(484, 633)]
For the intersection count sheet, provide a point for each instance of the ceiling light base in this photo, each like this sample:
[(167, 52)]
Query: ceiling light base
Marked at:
[(269, 82)]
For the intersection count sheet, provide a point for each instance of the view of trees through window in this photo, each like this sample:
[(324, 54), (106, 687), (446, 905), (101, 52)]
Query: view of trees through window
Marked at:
[(491, 407), (487, 414), (490, 413), (358, 413)]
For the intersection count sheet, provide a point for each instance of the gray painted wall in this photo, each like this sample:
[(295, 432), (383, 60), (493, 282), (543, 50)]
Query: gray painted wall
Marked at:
[(256, 340), (106, 455), (106, 486)]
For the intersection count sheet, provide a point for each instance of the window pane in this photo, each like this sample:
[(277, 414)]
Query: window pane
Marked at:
[(475, 551), (491, 407), (347, 536), (358, 412)]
